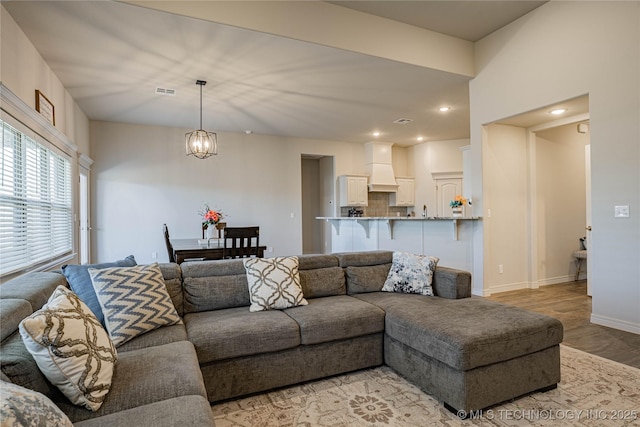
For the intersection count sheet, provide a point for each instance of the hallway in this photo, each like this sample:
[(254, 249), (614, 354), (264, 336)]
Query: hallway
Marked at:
[(569, 303)]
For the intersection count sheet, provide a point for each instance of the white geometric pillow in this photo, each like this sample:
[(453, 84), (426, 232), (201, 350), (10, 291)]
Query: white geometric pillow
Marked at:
[(71, 348), (134, 300), (274, 283), (411, 274), (22, 407)]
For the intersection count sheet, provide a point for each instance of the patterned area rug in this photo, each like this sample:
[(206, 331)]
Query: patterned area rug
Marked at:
[(593, 392)]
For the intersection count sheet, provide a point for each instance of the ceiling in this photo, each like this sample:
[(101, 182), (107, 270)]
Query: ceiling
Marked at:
[(112, 56)]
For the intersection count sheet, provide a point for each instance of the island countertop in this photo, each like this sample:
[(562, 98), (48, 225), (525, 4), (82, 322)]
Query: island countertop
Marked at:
[(395, 218)]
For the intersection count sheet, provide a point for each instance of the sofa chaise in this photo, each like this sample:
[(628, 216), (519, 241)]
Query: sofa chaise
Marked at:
[(467, 352)]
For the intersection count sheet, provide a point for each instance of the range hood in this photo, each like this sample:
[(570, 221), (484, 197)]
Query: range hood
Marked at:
[(379, 167)]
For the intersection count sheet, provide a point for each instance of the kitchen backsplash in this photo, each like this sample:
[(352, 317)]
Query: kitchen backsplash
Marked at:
[(379, 206)]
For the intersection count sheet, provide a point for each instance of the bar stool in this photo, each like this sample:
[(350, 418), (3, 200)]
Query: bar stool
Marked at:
[(580, 257)]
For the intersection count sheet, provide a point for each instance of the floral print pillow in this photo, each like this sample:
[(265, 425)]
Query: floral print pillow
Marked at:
[(411, 274)]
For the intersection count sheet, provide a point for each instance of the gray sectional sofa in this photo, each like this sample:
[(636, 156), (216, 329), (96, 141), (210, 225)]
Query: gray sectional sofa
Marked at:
[(465, 351)]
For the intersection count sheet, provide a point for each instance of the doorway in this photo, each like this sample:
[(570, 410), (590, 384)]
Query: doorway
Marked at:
[(317, 183)]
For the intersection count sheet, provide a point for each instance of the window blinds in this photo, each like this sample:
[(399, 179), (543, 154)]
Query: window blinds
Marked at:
[(36, 216)]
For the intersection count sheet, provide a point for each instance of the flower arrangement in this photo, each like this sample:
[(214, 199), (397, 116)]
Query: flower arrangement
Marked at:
[(457, 202), (210, 216)]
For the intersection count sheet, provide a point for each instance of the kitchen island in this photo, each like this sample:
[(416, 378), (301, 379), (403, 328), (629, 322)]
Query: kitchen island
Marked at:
[(450, 239)]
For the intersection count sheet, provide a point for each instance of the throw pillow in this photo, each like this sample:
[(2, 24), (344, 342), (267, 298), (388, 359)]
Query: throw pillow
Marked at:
[(71, 348), (274, 283), (134, 300), (22, 407), (80, 282), (411, 274)]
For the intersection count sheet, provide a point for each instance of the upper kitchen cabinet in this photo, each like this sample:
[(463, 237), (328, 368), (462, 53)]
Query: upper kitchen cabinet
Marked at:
[(353, 190), (406, 193)]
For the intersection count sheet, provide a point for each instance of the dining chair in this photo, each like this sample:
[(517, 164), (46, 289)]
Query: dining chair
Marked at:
[(167, 242), (241, 242)]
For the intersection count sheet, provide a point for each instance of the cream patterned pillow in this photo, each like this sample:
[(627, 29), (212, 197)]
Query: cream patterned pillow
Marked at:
[(134, 300), (71, 348), (22, 407), (411, 274), (274, 283)]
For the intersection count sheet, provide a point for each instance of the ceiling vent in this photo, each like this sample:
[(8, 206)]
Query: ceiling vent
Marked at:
[(165, 91), (402, 121)]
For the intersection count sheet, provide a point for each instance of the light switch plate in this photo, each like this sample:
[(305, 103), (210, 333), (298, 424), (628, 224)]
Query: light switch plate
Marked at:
[(621, 211)]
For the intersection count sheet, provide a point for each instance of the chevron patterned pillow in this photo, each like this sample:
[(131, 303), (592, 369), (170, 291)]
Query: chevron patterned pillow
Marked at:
[(274, 283), (71, 348), (134, 300)]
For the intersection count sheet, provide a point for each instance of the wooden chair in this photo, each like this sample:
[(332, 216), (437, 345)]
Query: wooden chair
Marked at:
[(167, 242), (241, 242)]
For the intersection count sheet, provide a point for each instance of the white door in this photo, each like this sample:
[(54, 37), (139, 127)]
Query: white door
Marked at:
[(446, 191), (587, 171)]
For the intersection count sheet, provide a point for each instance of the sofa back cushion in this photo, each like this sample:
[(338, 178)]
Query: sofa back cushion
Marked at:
[(215, 285), (173, 281), (321, 276), (366, 278)]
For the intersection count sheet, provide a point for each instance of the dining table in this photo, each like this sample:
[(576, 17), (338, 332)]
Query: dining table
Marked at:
[(201, 249)]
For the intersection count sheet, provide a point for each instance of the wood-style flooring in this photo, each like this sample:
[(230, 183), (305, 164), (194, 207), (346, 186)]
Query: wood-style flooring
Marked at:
[(569, 303)]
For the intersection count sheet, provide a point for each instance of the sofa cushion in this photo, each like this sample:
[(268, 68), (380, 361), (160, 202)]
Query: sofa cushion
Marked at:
[(22, 407), (235, 332), (274, 283), (369, 278), (146, 376), (134, 300), (362, 258), (411, 274), (336, 318), (178, 411), (322, 282), (13, 311), (80, 281), (19, 366), (160, 336), (214, 285), (173, 281), (34, 287), (476, 332), (71, 348)]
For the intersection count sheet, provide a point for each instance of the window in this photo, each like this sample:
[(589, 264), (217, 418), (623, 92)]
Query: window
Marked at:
[(36, 215)]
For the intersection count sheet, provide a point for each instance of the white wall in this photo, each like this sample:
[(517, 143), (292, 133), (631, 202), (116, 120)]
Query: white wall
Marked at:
[(561, 201), (22, 71), (142, 179), (560, 51)]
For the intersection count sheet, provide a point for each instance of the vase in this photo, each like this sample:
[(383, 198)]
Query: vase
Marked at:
[(210, 232), (457, 211)]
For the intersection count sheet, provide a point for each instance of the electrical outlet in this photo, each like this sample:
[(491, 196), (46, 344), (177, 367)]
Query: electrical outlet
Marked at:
[(500, 269), (270, 249), (488, 213), (154, 255)]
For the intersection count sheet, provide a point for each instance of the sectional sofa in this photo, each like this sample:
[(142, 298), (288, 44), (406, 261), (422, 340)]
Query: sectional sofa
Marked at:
[(465, 351)]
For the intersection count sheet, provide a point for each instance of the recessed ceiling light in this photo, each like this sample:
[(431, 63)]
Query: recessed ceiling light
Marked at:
[(445, 109), (558, 111), (376, 133), (420, 138)]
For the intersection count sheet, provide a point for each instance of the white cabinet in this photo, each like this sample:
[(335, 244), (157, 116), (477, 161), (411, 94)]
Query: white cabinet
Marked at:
[(353, 190), (406, 194)]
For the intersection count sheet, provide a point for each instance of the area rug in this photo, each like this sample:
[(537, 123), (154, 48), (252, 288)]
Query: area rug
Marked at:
[(593, 392)]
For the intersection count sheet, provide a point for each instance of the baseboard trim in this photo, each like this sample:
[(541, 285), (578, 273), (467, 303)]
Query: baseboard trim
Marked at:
[(610, 322), (556, 280)]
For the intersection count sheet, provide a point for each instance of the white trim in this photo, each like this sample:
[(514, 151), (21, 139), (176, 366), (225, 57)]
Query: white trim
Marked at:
[(85, 161), (610, 322), (555, 280), (446, 175), (510, 287), (16, 107)]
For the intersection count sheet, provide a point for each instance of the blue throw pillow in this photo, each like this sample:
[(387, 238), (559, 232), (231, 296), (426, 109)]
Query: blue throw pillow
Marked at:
[(80, 281)]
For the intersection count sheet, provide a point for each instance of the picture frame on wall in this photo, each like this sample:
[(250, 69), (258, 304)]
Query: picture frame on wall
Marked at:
[(45, 107)]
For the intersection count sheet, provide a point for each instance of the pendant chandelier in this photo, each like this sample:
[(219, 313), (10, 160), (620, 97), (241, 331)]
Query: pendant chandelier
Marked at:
[(201, 143)]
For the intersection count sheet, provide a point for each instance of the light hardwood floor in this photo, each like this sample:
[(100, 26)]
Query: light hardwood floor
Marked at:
[(569, 303)]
